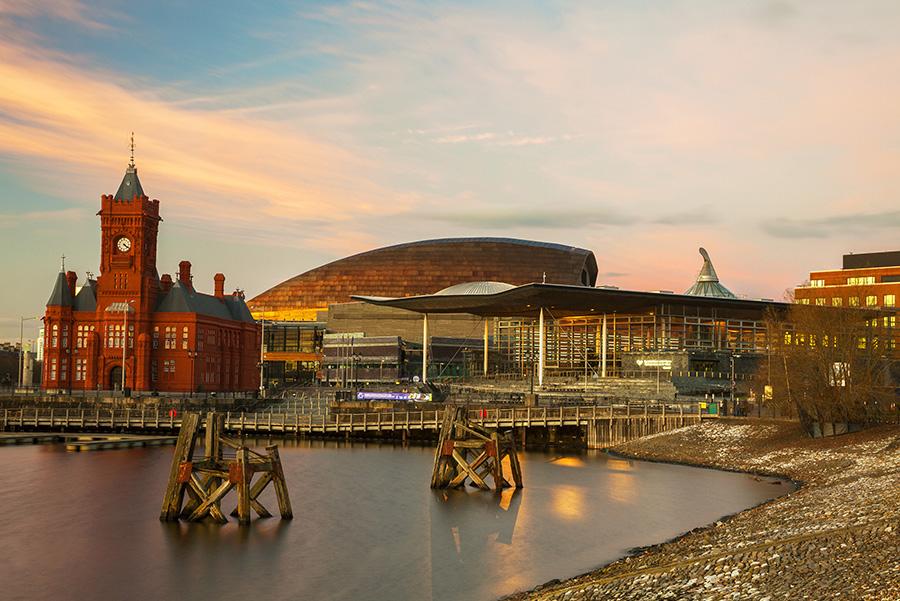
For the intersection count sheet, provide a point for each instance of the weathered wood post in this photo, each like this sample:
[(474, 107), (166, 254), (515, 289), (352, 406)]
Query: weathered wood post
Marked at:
[(209, 479), (459, 440)]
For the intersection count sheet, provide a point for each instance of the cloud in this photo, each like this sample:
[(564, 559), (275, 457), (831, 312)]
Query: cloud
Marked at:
[(72, 11), (533, 218), (206, 165), (16, 220), (833, 226), (699, 215)]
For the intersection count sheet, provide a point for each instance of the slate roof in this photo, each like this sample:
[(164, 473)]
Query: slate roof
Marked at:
[(61, 295), (707, 283), (86, 299), (130, 186), (183, 299)]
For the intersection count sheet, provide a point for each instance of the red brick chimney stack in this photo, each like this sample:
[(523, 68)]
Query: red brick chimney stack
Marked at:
[(165, 283), (71, 278), (220, 285), (184, 273)]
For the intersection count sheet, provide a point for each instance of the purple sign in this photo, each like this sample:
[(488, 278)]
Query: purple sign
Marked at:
[(394, 396)]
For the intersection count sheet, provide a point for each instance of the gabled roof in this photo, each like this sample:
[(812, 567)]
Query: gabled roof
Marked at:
[(86, 299), (61, 295), (183, 299), (130, 186)]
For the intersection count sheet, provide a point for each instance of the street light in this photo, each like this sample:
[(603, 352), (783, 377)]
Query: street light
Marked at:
[(125, 309), (262, 357), (22, 321), (192, 355)]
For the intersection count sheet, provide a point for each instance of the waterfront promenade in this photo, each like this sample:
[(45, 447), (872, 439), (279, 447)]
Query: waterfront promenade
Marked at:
[(603, 424), (835, 537)]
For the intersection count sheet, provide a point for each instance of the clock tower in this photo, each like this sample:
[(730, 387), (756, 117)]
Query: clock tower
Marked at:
[(129, 222)]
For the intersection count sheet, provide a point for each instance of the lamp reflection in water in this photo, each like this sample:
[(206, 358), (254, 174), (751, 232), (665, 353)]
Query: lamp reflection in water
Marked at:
[(567, 501)]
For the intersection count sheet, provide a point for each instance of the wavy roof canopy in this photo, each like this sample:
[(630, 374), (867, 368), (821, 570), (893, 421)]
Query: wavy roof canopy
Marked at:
[(427, 266)]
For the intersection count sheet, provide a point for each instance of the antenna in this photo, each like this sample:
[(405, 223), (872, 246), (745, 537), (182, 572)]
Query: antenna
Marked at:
[(131, 164)]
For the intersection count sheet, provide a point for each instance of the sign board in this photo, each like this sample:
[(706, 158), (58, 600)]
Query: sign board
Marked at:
[(767, 392), (661, 363), (410, 397)]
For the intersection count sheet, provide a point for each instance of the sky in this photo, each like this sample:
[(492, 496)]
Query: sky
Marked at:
[(282, 135)]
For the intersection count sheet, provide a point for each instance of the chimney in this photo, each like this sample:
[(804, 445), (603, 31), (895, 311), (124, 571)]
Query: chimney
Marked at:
[(71, 278), (165, 283), (184, 273), (220, 285)]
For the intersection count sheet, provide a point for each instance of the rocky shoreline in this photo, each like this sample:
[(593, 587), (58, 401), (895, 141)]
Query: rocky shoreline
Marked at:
[(835, 537)]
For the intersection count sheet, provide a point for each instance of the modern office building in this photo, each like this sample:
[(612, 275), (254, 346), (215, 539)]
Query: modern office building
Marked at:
[(130, 326), (865, 280)]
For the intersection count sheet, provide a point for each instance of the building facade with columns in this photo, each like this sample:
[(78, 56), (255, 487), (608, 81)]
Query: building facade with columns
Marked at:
[(131, 328)]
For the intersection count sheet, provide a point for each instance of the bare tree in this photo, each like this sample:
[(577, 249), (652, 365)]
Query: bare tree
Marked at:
[(830, 365)]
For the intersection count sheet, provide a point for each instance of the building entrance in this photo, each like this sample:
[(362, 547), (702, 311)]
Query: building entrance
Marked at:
[(115, 378)]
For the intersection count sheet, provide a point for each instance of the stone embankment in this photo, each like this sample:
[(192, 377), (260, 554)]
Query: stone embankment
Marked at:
[(836, 537)]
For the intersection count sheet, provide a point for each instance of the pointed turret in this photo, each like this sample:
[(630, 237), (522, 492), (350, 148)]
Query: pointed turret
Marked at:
[(62, 294), (707, 283)]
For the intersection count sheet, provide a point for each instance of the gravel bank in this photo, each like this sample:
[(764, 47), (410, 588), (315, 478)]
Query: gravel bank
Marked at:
[(834, 538)]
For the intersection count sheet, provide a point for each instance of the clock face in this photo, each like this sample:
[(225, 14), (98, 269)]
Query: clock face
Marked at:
[(123, 244)]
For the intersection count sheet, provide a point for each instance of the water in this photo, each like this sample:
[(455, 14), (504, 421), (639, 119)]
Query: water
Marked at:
[(366, 526)]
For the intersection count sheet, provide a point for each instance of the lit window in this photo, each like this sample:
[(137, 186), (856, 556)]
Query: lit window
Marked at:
[(853, 301), (890, 300), (861, 280), (837, 301), (871, 301), (802, 301), (817, 283), (820, 302)]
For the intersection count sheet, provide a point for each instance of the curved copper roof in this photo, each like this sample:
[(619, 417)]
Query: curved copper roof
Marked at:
[(427, 266)]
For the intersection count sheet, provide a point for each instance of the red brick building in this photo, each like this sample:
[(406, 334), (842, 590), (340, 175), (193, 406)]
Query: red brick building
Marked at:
[(173, 338), (866, 280)]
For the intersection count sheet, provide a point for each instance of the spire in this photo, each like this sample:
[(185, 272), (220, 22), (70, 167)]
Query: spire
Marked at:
[(707, 283), (131, 185)]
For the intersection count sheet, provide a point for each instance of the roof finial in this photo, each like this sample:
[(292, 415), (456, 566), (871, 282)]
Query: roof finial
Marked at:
[(63, 262), (131, 164)]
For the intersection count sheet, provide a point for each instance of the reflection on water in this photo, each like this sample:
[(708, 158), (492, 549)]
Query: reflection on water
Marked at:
[(367, 526)]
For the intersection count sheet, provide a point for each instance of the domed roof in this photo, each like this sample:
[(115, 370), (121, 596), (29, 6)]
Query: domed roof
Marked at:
[(475, 288), (707, 283)]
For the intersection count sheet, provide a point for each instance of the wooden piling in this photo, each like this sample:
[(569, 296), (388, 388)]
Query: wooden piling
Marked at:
[(207, 480)]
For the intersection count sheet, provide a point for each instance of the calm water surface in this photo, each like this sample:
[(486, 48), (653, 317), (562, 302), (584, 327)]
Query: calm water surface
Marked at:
[(366, 526)]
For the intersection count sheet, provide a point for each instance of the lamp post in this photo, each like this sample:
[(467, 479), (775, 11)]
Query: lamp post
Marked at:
[(125, 309), (262, 358), (192, 354), (22, 321)]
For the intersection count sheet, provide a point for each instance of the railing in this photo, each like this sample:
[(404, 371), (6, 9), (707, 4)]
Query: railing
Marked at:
[(297, 423)]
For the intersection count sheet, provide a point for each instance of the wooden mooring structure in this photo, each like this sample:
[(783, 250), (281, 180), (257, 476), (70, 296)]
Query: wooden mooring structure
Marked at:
[(206, 481), (469, 452), (602, 425)]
